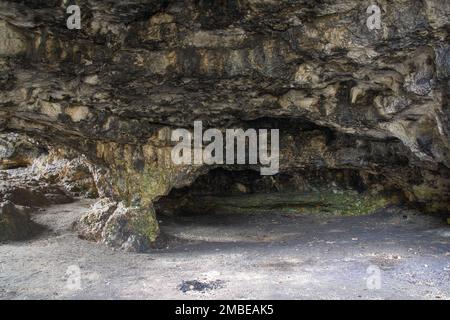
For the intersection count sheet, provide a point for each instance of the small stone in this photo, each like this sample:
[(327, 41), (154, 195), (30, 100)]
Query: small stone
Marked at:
[(92, 79)]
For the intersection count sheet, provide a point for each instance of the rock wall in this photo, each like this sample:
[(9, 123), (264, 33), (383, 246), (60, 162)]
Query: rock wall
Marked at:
[(344, 96), (18, 151)]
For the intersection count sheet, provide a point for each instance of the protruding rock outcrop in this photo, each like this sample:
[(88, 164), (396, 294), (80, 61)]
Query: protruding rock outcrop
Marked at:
[(116, 225)]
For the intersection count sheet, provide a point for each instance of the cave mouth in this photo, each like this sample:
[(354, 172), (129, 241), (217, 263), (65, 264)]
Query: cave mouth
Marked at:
[(328, 192)]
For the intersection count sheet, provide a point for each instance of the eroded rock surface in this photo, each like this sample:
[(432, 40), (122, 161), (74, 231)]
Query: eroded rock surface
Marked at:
[(37, 178), (18, 187), (18, 151), (118, 226), (15, 222), (344, 96)]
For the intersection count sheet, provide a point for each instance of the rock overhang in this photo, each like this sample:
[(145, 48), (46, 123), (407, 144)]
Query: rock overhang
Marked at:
[(134, 71)]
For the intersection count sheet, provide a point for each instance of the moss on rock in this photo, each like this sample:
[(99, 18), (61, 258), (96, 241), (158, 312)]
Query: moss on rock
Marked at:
[(345, 203), (434, 198), (147, 225)]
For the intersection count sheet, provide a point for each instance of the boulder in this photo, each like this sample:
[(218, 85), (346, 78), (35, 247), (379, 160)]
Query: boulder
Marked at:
[(15, 222)]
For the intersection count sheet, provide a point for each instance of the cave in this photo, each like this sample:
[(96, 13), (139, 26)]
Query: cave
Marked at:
[(241, 199), (222, 191), (315, 179), (245, 149)]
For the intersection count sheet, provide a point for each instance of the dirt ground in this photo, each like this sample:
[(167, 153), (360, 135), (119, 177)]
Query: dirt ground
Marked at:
[(393, 254)]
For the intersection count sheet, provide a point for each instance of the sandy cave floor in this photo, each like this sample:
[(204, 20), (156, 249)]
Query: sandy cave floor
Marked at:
[(251, 256)]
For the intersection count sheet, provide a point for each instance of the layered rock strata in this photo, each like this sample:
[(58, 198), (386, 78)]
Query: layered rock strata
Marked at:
[(343, 96)]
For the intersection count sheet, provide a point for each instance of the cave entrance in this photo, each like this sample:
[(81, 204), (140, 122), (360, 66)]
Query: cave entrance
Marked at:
[(229, 195), (239, 202)]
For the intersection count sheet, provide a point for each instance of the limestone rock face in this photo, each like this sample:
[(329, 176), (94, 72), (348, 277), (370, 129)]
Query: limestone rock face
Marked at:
[(343, 96), (17, 187), (91, 225), (17, 151), (67, 170), (12, 42), (116, 225)]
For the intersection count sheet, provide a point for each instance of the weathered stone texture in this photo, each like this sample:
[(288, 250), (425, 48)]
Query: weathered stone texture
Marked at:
[(138, 69)]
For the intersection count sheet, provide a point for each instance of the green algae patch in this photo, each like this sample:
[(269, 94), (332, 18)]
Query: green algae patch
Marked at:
[(143, 186), (345, 203), (426, 193), (435, 200), (146, 225), (155, 182)]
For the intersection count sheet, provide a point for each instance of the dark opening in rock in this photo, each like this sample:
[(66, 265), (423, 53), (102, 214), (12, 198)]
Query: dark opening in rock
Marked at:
[(308, 191)]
